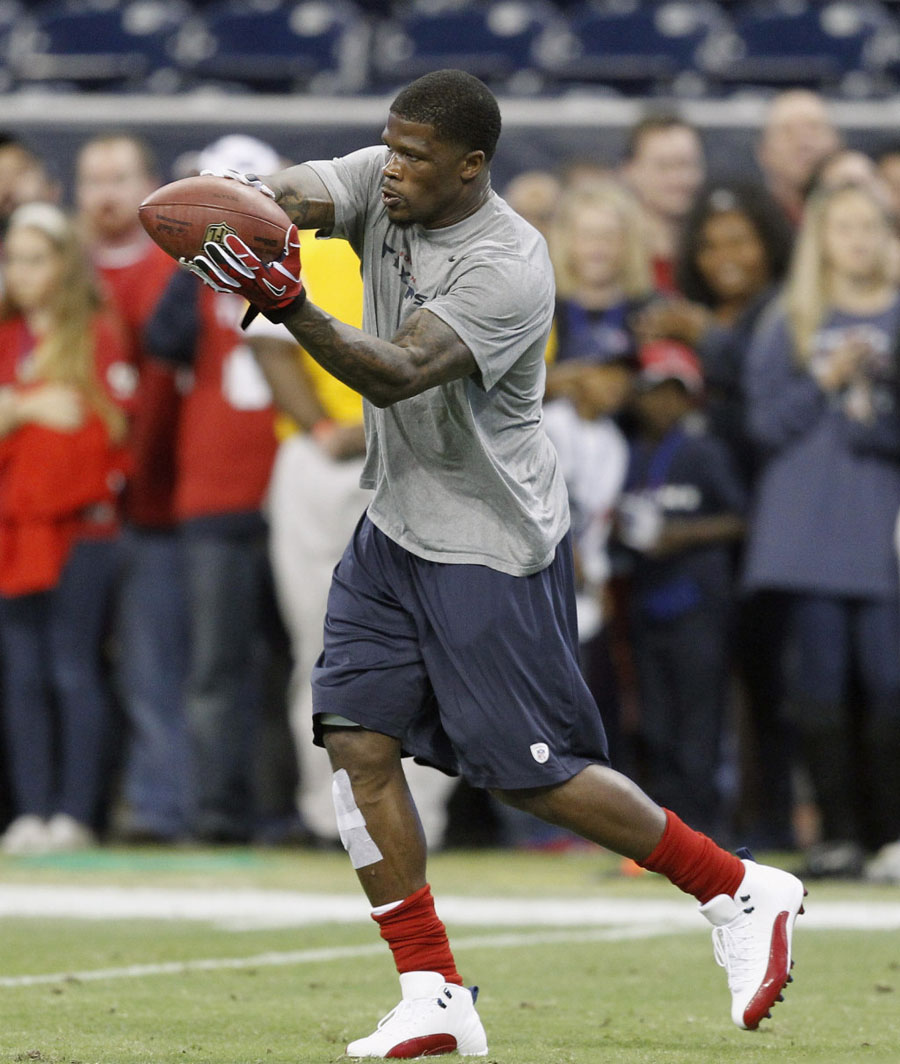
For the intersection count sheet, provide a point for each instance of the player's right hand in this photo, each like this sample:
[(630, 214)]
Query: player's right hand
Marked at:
[(245, 179), (274, 288)]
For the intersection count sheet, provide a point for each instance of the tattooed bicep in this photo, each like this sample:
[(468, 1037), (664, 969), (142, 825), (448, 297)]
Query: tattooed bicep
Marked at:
[(435, 346), (302, 195)]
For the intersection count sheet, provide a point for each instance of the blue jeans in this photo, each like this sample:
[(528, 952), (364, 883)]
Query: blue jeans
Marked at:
[(57, 705), (152, 629), (830, 635), (225, 577), (851, 746), (682, 680)]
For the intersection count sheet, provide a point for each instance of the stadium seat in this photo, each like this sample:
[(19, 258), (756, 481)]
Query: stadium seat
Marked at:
[(635, 45), (96, 44), (495, 41), (277, 45), (820, 44)]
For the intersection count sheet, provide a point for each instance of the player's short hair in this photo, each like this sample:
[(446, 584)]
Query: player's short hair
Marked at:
[(458, 106)]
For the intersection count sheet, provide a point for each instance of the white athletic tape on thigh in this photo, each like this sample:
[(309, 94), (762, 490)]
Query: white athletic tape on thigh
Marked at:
[(351, 824)]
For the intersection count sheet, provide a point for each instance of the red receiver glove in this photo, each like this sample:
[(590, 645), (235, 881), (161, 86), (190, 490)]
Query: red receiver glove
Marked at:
[(273, 288)]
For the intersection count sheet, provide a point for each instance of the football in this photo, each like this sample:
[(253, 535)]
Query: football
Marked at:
[(184, 215)]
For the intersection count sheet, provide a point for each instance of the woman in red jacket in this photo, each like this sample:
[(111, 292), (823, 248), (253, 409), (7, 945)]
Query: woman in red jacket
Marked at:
[(62, 466)]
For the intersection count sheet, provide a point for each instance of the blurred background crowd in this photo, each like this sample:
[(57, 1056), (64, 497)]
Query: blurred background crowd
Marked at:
[(722, 390)]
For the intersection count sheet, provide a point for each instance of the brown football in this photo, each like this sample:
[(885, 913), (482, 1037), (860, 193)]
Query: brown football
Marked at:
[(183, 215)]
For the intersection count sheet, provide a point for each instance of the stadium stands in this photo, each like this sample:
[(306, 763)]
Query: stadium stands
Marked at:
[(94, 45), (848, 48), (497, 42), (824, 46), (634, 45), (270, 45)]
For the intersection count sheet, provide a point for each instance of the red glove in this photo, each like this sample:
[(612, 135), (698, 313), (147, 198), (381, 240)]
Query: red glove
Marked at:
[(273, 288)]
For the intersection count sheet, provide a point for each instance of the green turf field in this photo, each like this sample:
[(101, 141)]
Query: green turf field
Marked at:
[(222, 990)]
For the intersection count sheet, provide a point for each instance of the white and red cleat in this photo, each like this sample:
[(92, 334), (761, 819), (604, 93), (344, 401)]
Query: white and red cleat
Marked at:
[(434, 1017), (752, 934)]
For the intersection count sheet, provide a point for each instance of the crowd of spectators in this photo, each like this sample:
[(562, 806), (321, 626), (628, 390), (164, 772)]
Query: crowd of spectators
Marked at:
[(722, 389)]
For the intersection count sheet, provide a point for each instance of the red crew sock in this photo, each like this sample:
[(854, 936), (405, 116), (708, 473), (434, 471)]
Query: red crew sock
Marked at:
[(693, 862), (417, 937)]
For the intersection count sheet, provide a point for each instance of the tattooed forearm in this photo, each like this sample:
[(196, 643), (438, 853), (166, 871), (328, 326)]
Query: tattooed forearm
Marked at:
[(424, 353)]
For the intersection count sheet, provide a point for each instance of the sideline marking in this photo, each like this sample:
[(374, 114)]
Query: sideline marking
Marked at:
[(251, 909)]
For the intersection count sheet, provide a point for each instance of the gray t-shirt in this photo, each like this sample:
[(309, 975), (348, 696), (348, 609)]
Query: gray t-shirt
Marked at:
[(463, 472)]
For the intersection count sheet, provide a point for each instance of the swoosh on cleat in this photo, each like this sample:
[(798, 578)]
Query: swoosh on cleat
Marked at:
[(429, 1045), (775, 977)]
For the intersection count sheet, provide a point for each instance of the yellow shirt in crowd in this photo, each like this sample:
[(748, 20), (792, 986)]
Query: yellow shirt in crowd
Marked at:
[(331, 276)]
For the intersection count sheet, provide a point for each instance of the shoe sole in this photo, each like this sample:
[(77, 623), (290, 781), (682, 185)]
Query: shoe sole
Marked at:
[(778, 973)]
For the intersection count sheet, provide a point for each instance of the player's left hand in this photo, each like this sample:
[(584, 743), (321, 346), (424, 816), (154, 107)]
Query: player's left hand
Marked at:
[(273, 288), (245, 179)]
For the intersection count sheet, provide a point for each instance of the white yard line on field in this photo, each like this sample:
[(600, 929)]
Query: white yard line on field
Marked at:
[(334, 953), (587, 920)]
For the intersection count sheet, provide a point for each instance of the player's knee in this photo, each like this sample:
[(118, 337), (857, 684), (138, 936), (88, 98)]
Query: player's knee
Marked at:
[(369, 758), (365, 765), (530, 800)]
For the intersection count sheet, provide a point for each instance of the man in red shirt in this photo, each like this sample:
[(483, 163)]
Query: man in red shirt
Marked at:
[(114, 172), (225, 448), (664, 165)]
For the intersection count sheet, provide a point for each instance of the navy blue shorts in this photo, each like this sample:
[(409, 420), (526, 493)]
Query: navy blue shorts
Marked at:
[(473, 670)]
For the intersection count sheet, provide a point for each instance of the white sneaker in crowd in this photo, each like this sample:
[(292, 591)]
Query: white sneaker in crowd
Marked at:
[(66, 834), (27, 834), (434, 1017), (885, 865), (752, 934)]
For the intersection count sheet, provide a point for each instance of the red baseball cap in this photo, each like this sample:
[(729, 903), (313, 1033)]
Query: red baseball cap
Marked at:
[(670, 360)]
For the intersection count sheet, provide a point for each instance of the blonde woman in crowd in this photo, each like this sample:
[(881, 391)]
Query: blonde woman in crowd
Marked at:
[(62, 464), (821, 389), (603, 279)]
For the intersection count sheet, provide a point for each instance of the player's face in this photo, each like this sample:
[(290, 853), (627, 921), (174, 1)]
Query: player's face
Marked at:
[(111, 182), (855, 236), (32, 269), (425, 179), (731, 257)]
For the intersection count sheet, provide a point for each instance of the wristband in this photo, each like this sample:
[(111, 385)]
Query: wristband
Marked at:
[(278, 314)]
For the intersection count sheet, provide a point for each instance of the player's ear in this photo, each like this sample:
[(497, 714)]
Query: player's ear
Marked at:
[(473, 162)]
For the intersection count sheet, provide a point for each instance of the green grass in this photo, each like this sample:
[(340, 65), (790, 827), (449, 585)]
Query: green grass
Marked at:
[(644, 1001)]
